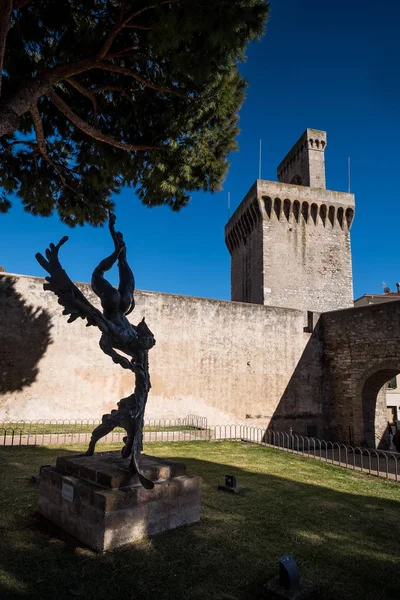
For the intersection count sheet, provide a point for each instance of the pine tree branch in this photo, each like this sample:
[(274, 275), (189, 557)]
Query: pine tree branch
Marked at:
[(122, 10), (123, 23), (18, 4), (119, 26), (85, 92), (140, 11), (126, 53), (41, 143), (32, 89), (113, 88), (29, 93), (143, 27), (137, 76), (101, 55), (5, 14), (92, 131)]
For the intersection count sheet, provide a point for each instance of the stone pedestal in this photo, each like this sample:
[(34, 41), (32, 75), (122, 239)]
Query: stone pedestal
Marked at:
[(99, 502)]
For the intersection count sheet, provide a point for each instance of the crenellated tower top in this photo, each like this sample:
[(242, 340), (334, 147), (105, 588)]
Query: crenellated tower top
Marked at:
[(305, 163), (290, 240)]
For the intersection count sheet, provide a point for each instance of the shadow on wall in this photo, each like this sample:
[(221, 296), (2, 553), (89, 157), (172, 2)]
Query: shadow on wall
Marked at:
[(24, 338), (301, 405)]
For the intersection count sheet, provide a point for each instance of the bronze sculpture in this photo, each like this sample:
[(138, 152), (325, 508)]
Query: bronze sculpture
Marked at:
[(117, 333)]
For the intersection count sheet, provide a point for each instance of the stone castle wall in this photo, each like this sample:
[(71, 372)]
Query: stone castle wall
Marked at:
[(245, 244), (225, 361), (361, 354)]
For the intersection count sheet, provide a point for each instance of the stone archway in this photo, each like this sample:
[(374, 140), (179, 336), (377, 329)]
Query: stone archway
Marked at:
[(374, 414), (361, 354)]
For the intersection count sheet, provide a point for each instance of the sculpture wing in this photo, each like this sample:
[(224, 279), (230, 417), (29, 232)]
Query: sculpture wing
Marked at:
[(69, 295)]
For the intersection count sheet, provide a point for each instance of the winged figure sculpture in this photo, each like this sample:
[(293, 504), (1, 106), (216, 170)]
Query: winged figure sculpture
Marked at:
[(117, 335)]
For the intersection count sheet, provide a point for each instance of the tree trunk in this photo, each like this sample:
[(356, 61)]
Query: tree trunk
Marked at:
[(9, 122)]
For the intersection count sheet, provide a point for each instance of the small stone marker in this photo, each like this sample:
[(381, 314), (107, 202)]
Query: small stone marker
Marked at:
[(35, 479), (288, 583), (229, 485)]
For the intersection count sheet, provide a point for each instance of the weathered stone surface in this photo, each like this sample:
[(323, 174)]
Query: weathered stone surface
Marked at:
[(235, 360), (361, 354), (290, 247), (109, 469), (304, 164), (105, 517), (242, 361)]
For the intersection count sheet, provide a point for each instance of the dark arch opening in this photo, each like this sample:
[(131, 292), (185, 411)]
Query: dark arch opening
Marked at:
[(314, 213), (340, 213), (277, 208), (268, 205), (331, 215), (246, 223), (304, 211), (349, 217), (322, 212), (286, 209), (374, 408), (296, 210)]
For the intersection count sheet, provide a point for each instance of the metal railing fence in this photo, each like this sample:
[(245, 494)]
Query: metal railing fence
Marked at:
[(357, 458), (195, 428), (74, 431)]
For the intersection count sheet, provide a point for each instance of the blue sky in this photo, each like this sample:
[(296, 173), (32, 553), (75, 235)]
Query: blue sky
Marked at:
[(331, 66)]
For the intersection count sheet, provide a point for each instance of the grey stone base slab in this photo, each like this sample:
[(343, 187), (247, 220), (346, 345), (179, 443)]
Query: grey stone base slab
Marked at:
[(96, 500)]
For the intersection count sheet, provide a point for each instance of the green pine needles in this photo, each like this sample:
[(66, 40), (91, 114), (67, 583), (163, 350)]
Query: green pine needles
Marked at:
[(100, 94)]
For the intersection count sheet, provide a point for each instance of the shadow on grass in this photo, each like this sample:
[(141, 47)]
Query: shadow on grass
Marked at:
[(346, 543)]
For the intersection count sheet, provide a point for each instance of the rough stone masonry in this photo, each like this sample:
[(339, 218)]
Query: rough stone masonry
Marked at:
[(267, 358), (290, 241)]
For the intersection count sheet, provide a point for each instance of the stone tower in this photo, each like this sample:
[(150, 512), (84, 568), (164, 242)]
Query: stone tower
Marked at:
[(290, 241)]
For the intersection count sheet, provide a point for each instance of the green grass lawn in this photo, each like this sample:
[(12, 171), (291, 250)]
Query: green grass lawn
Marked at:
[(343, 528), (38, 429)]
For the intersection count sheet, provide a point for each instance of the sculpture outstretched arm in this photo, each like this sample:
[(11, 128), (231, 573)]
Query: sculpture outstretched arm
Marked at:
[(69, 295)]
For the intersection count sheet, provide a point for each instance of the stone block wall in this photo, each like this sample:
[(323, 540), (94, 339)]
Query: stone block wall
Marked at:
[(361, 354), (227, 361), (245, 243), (305, 162), (302, 405), (306, 251), (293, 244)]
